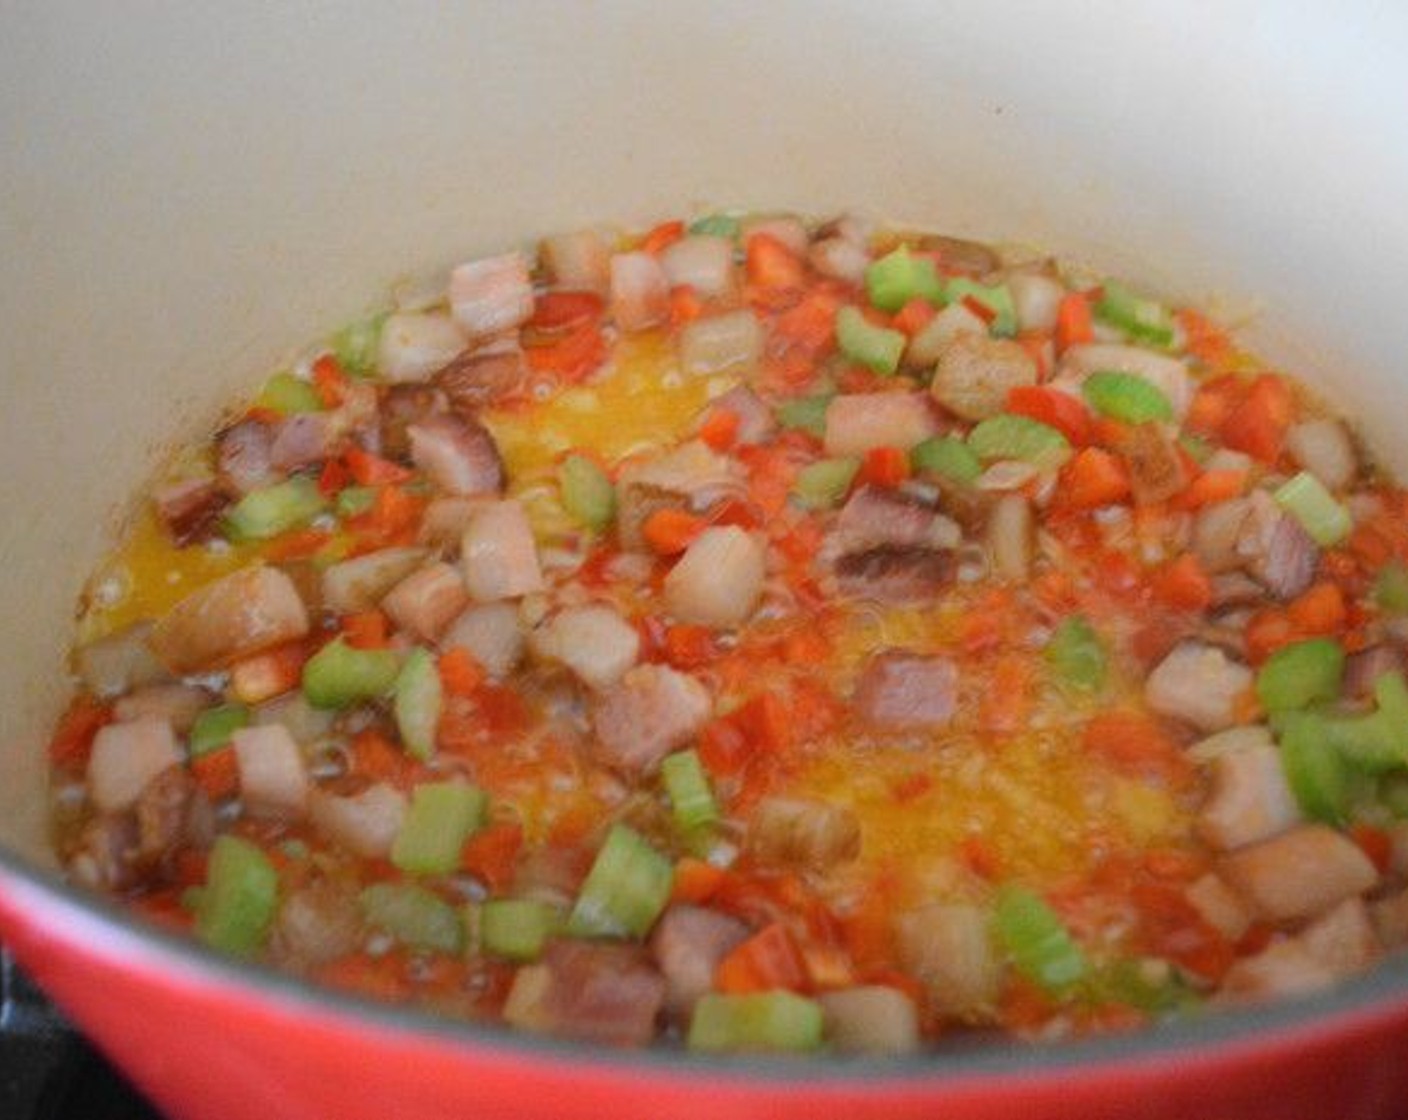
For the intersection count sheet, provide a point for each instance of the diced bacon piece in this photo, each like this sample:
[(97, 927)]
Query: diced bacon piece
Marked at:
[(301, 440), (178, 704), (1219, 906), (1274, 547), (400, 406), (873, 517), (427, 601), (976, 372), (479, 378), (1156, 470), (1299, 873), (578, 261), (948, 947), (804, 832), (105, 856), (365, 823), (317, 921), (903, 690), (689, 476), (640, 291), (492, 634), (594, 641), (459, 456), (687, 944), (1250, 800), (861, 422), (874, 1020), (839, 258), (1282, 970), (1198, 684), (189, 509), (702, 262), (650, 712), (599, 993), (499, 556), (359, 584), (491, 295), (895, 575), (415, 344), (233, 617), (1216, 530), (718, 579), (243, 456), (958, 254), (171, 813), (1343, 940), (273, 777), (125, 757)]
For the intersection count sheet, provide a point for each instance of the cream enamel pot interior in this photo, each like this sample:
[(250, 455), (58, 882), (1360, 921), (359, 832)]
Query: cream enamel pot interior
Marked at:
[(189, 192)]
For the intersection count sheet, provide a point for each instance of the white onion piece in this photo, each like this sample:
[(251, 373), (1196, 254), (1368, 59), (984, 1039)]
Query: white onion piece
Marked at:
[(949, 948), (498, 554), (875, 1020), (491, 295), (1009, 537), (594, 641), (414, 345), (359, 584), (840, 258), (1009, 474), (113, 664), (926, 347), (718, 579), (1036, 300), (366, 824), (578, 261), (860, 422), (640, 291), (491, 634), (719, 342), (427, 601), (125, 757), (1198, 684), (703, 262), (1323, 447), (273, 776)]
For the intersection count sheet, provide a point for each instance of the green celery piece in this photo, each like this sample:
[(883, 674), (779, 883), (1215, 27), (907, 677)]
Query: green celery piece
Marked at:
[(1040, 946), (355, 345), (518, 928), (587, 493), (1009, 436), (1314, 768), (214, 726), (1077, 655), (1369, 743), (628, 885), (414, 916), (948, 457), (1301, 673), (338, 675), (442, 816), (687, 785), (805, 413), (715, 225), (1144, 320), (1320, 514), (236, 906), (877, 348), (823, 484), (286, 394), (1391, 588), (1393, 793), (775, 1021), (355, 500), (271, 510), (899, 276), (996, 298), (417, 703), (1130, 982), (1126, 396)]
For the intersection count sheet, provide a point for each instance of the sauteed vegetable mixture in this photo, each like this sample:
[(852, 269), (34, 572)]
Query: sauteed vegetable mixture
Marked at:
[(754, 634)]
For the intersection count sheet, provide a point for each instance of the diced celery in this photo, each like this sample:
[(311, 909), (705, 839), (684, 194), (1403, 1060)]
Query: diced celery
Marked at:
[(715, 225), (414, 916), (1391, 588), (947, 456), (996, 299), (1009, 436), (355, 345), (1305, 498), (214, 726), (825, 483), (275, 509), (338, 675), (1149, 984), (1076, 654), (1393, 793), (764, 1021), (1126, 396), (355, 500), (1369, 743), (1039, 945), (1300, 674), (805, 413), (587, 493), (691, 798), (1144, 320), (285, 394), (417, 703), (625, 890), (899, 276), (442, 816), (517, 928), (236, 907), (1314, 769), (861, 341)]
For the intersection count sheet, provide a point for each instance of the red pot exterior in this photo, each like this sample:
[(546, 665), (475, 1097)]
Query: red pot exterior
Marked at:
[(205, 1046)]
